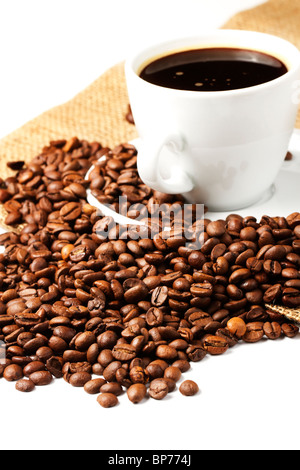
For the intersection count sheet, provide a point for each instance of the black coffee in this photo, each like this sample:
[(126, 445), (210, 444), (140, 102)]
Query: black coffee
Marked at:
[(214, 69)]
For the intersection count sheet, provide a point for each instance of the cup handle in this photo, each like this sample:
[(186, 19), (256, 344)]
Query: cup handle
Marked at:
[(149, 166)]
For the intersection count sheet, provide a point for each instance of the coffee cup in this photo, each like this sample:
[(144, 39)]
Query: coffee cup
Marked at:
[(220, 148)]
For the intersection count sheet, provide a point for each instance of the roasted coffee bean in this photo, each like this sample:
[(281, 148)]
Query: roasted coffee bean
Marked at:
[(109, 373), (215, 344), (135, 290), (216, 229), (204, 289), (229, 337), (79, 379), (173, 373), (166, 352), (155, 370), (107, 400), (93, 386), (41, 377), (70, 211), (54, 366), (189, 388), (158, 389), (182, 364), (154, 317), (84, 340), (33, 366), (124, 352), (289, 329), (237, 327), (276, 253), (195, 353), (25, 385), (272, 330), (137, 392), (290, 297), (13, 372), (254, 332), (159, 296), (112, 387), (138, 374), (239, 275), (171, 384)]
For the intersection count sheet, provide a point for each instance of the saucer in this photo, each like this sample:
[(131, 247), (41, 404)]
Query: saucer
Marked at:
[(282, 199)]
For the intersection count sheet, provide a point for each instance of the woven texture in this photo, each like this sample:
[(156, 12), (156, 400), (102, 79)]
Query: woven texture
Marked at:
[(290, 313), (96, 114)]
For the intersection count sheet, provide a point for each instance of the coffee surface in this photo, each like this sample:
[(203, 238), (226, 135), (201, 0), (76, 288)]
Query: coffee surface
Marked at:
[(213, 69)]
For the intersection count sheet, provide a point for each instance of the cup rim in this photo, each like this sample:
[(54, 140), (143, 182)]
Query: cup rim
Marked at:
[(293, 65)]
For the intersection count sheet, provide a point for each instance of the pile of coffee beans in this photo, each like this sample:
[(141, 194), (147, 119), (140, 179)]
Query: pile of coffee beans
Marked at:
[(112, 312)]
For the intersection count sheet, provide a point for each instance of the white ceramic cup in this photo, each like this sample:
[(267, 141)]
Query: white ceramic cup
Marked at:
[(222, 148)]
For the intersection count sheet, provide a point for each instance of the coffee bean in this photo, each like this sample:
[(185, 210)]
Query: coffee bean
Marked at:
[(195, 353), (138, 374), (276, 253), (272, 293), (33, 366), (79, 379), (216, 229), (155, 370), (189, 388), (239, 275), (272, 330), (154, 317), (215, 344), (93, 386), (54, 366), (25, 385), (290, 297), (158, 389), (84, 340), (159, 296), (13, 372), (166, 352), (124, 352), (112, 387), (289, 329), (109, 373), (107, 400), (173, 373), (204, 289), (41, 377), (254, 332), (137, 392), (236, 326), (182, 364), (228, 336)]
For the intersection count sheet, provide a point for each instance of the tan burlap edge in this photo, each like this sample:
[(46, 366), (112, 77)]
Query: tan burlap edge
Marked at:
[(96, 114)]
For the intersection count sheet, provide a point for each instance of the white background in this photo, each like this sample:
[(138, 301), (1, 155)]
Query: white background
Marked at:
[(51, 50)]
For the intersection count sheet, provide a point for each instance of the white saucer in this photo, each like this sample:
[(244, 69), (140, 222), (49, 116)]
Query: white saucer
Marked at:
[(282, 199)]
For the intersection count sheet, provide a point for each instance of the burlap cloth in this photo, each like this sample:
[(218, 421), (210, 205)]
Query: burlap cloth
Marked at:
[(98, 112)]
